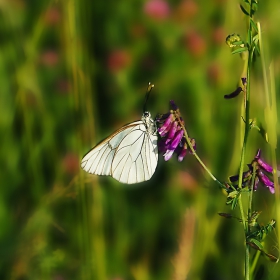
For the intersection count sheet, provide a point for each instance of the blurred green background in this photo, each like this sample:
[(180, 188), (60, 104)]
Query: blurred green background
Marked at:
[(71, 72)]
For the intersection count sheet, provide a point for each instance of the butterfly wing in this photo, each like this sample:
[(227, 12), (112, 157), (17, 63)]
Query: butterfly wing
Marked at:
[(129, 155), (136, 156)]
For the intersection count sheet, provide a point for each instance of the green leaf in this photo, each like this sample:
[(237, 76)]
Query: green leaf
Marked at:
[(256, 43), (249, 38), (244, 10), (255, 244), (234, 203), (258, 125), (233, 194), (270, 226), (238, 43), (254, 25), (240, 50), (254, 7), (256, 38)]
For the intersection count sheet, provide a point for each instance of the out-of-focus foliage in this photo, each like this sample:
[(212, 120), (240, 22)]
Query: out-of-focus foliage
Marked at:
[(73, 71)]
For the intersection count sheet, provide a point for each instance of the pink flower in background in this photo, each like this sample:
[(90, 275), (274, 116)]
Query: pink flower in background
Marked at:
[(71, 163), (157, 9), (214, 73), (49, 58), (218, 35), (52, 16), (195, 43), (63, 86), (186, 10), (118, 59)]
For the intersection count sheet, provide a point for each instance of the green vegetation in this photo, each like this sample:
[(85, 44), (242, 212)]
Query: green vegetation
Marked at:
[(71, 72)]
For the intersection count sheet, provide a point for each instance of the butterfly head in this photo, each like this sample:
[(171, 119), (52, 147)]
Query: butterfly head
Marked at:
[(149, 122)]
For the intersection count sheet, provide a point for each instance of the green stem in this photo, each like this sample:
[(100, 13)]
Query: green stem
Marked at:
[(254, 262), (243, 152), (247, 262), (195, 154), (246, 134), (251, 196)]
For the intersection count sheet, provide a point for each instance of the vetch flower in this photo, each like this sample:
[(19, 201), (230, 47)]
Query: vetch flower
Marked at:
[(172, 136), (262, 172), (163, 130), (173, 145), (265, 180), (244, 81), (172, 131), (182, 153), (265, 166)]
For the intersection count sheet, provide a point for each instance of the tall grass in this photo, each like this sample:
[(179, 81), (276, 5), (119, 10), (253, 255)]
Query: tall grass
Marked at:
[(71, 73)]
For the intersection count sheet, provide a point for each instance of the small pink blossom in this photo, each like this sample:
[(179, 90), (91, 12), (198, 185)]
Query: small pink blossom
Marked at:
[(118, 59), (49, 58), (157, 9), (195, 44), (52, 16)]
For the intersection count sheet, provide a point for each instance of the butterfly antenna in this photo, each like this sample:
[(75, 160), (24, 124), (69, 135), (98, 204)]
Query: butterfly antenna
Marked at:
[(150, 87)]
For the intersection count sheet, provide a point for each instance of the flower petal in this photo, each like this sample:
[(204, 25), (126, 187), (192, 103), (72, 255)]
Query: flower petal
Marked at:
[(244, 81), (163, 130), (182, 153), (258, 154), (265, 166), (168, 154), (172, 130), (266, 181), (176, 140)]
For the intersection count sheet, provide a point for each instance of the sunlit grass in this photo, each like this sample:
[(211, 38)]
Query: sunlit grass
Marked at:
[(72, 72)]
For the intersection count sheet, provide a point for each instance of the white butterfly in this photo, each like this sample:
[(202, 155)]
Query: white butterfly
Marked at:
[(129, 155)]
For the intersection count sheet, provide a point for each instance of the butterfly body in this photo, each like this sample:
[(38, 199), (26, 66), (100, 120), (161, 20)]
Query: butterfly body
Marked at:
[(129, 155)]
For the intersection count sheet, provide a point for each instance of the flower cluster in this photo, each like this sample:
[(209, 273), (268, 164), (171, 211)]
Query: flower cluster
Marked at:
[(170, 129), (261, 168)]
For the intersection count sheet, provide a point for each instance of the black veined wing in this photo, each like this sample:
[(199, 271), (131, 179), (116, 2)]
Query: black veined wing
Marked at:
[(129, 155)]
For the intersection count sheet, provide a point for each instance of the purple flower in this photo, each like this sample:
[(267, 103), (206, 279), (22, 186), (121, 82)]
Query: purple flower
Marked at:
[(268, 168), (171, 132), (244, 81), (261, 168), (173, 129), (265, 180), (163, 130), (175, 141), (182, 153)]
